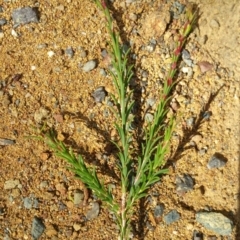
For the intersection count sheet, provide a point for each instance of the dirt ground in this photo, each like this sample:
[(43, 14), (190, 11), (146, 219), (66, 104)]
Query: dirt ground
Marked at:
[(40, 81)]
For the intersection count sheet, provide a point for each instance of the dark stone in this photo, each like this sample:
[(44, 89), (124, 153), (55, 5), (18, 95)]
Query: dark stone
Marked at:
[(184, 184), (37, 228), (217, 161)]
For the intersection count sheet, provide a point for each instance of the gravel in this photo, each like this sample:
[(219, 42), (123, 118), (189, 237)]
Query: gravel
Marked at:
[(10, 184), (215, 222), (158, 211), (3, 21), (171, 217), (217, 161), (89, 66), (94, 211), (78, 197), (69, 52), (25, 15), (37, 228), (184, 184), (99, 94)]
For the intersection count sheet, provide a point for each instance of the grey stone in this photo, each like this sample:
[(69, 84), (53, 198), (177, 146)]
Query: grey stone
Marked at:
[(89, 66), (69, 52), (158, 211), (217, 161), (184, 184), (94, 211), (30, 202), (103, 72), (215, 222), (25, 15), (99, 94), (3, 21), (171, 217), (37, 228)]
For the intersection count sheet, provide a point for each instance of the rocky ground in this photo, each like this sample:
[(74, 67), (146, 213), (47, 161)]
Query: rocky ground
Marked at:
[(54, 69)]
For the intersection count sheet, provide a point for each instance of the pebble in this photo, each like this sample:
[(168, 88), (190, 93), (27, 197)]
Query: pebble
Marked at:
[(93, 213), (205, 66), (150, 102), (184, 184), (214, 23), (190, 121), (158, 211), (76, 227), (187, 58), (37, 228), (10, 184), (148, 117), (6, 142), (30, 202), (78, 197), (207, 115), (103, 72), (171, 217), (99, 94), (215, 222), (24, 15), (69, 52), (89, 66), (3, 21), (177, 9), (217, 161)]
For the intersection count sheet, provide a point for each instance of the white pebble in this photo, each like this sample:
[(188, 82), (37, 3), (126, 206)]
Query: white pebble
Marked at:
[(50, 53)]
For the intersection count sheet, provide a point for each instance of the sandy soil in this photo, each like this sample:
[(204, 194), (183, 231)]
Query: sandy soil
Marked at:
[(36, 86)]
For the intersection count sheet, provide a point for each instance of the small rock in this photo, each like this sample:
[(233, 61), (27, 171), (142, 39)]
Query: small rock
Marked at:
[(214, 23), (50, 54), (171, 217), (61, 206), (89, 66), (5, 142), (217, 161), (103, 72), (205, 66), (187, 58), (99, 94), (27, 203), (44, 184), (184, 184), (76, 227), (37, 228), (3, 21), (158, 211), (69, 52), (78, 197), (215, 222), (150, 102), (190, 121), (207, 115), (93, 213), (10, 184), (30, 202), (177, 9), (25, 15), (41, 114), (148, 117)]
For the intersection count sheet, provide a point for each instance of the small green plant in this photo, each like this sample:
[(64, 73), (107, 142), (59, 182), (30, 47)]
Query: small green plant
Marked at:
[(137, 175)]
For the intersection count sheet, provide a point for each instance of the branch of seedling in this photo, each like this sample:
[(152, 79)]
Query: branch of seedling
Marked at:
[(149, 164)]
